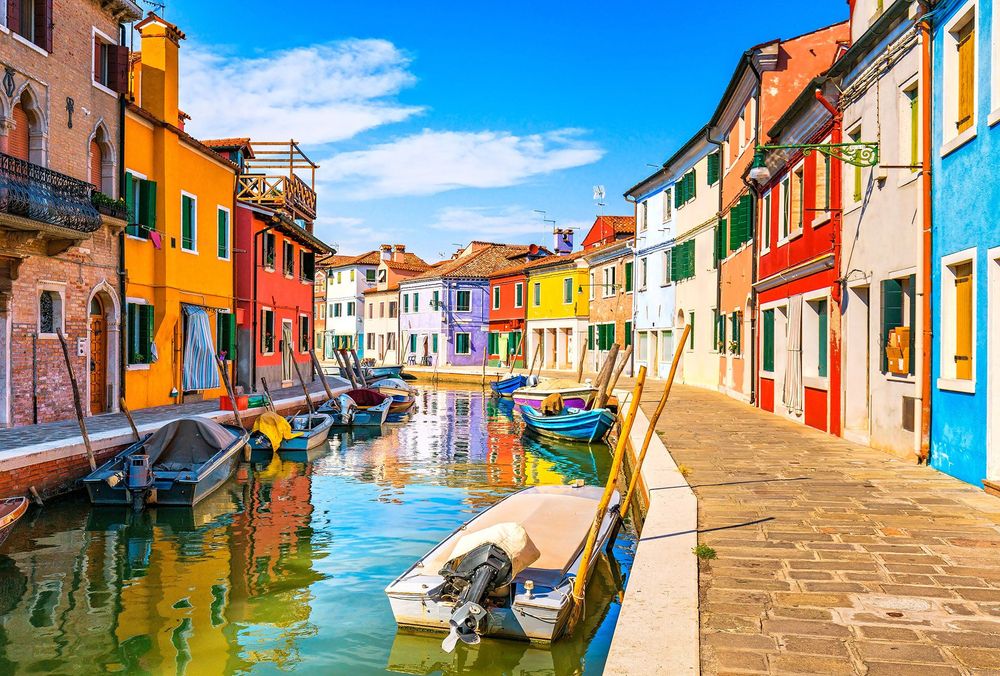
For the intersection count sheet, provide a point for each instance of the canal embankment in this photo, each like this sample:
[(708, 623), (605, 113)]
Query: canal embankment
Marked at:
[(52, 458)]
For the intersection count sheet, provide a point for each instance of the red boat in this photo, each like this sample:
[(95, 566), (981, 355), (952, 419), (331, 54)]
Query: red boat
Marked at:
[(11, 509)]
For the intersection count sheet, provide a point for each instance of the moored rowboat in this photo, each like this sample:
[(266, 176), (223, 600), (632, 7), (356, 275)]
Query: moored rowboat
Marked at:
[(572, 424), (507, 386), (11, 510), (574, 395)]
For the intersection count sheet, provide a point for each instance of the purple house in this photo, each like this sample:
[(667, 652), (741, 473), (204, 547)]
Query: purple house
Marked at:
[(444, 313)]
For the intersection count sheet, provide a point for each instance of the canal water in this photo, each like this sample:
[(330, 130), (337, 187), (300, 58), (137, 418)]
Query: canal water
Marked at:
[(284, 567)]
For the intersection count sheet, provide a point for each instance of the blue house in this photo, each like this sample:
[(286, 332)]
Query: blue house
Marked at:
[(965, 421)]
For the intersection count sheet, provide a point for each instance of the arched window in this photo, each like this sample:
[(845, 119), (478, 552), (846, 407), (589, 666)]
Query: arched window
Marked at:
[(27, 139), (102, 162), (50, 312), (95, 164), (19, 143)]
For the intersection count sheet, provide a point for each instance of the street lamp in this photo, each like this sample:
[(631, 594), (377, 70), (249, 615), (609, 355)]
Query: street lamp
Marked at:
[(858, 154)]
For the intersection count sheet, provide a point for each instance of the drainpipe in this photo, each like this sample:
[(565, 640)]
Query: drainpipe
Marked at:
[(836, 290), (635, 267), (718, 217), (753, 248), (123, 299), (927, 334)]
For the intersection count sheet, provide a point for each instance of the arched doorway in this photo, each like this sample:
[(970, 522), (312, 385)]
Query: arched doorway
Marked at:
[(98, 357)]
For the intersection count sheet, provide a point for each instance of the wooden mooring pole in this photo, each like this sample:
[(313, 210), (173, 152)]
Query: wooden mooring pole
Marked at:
[(77, 404)]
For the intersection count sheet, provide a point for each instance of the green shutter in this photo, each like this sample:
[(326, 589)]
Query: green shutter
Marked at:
[(735, 320), (690, 262), (713, 168), (132, 216), (147, 206), (434, 343), (720, 241), (132, 319), (822, 309), (223, 223), (519, 295), (678, 190), (892, 314), (768, 339), (735, 227), (590, 337), (628, 276), (913, 324), (187, 234), (693, 188), (628, 334), (691, 324), (146, 333)]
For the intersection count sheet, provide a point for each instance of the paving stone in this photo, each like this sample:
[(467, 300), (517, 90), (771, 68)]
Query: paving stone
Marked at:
[(809, 664), (814, 646), (898, 652), (978, 658), (900, 669), (743, 661)]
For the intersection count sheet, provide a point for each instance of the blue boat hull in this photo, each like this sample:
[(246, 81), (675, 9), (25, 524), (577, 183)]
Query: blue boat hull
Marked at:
[(571, 424), (507, 386)]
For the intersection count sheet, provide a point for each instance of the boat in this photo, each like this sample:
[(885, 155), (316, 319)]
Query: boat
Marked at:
[(509, 572), (376, 372), (394, 387), (179, 464), (572, 424), (11, 510), (312, 428), (574, 395), (361, 407), (507, 386)]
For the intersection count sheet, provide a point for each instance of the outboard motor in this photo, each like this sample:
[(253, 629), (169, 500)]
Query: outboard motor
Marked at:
[(346, 408), (483, 564), (139, 480)]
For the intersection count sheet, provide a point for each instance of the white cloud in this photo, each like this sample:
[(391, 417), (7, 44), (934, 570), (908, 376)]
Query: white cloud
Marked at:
[(437, 161), (315, 94), (500, 224)]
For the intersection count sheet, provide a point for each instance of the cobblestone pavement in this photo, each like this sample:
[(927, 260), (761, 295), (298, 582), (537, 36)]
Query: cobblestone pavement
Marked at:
[(832, 557), (28, 435)]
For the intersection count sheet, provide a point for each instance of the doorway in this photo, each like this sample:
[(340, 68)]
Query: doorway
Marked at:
[(993, 367), (98, 357), (287, 351), (857, 376)]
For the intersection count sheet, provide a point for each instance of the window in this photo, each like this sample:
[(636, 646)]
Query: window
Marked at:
[(604, 335), (682, 263), (140, 202), (493, 344), (496, 297), (369, 276), (225, 335), (435, 300), (822, 183), (786, 206), (270, 251), (463, 343), (608, 287), (110, 63), (189, 223), (568, 290), (416, 302), (304, 333), (593, 286), (628, 334), (390, 341), (350, 308), (519, 295), (765, 225), (691, 324), (898, 320), (32, 20), (393, 309), (740, 223), (685, 189), (643, 271), (370, 338), (719, 327), (463, 301), (321, 310), (139, 318), (381, 310), (382, 275), (514, 344), (798, 199), (406, 303), (307, 265), (767, 342), (667, 206), (266, 331), (628, 276), (371, 310), (642, 348), (413, 343), (590, 337), (815, 338), (965, 46), (222, 220), (537, 294), (667, 260), (288, 258), (643, 209), (434, 343), (337, 308), (855, 137), (666, 346), (721, 248), (50, 312), (713, 168), (735, 334), (909, 128), (340, 275)]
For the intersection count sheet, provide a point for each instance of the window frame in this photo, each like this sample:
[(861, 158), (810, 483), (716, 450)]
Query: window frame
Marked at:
[(567, 290), (468, 337), (129, 364), (948, 378), (458, 301), (268, 310), (194, 223), (519, 295), (220, 209), (496, 296)]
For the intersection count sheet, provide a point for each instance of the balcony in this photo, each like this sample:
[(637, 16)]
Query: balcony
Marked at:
[(272, 180), (46, 204)]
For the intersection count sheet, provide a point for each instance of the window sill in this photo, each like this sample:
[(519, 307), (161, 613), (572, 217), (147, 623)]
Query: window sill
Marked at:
[(136, 238), (104, 88), (193, 252), (908, 177), (816, 382), (767, 375), (137, 367), (854, 206), (900, 378), (224, 258), (993, 117), (28, 43), (789, 238), (958, 141), (48, 336), (955, 385)]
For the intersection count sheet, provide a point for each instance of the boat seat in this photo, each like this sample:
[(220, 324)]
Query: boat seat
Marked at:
[(365, 398)]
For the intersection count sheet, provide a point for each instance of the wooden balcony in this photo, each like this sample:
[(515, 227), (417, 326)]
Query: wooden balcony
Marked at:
[(273, 179)]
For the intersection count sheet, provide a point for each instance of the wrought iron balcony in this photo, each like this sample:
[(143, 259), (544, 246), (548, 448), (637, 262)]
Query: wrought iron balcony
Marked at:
[(47, 197)]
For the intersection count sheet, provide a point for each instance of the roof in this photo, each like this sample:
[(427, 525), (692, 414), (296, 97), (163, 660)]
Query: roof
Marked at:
[(622, 225), (410, 261), (152, 17), (478, 264), (557, 260), (142, 112), (406, 266), (336, 261), (375, 289), (237, 143)]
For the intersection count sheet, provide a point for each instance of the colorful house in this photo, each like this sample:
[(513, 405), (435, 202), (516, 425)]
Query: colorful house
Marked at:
[(275, 259), (965, 423), (676, 273), (798, 268), (610, 290), (445, 311), (59, 216), (767, 79), (382, 339), (509, 312), (558, 310), (178, 245), (883, 214), (319, 313)]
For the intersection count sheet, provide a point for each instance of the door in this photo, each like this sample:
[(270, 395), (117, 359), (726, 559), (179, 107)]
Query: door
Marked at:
[(287, 348), (98, 358), (503, 349), (993, 368), (858, 353)]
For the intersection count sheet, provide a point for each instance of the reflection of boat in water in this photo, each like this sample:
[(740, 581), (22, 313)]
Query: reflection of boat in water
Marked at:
[(416, 652), (500, 407), (509, 572), (215, 510), (570, 460)]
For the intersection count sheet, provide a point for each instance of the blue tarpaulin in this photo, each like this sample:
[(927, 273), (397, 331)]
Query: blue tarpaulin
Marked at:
[(200, 370)]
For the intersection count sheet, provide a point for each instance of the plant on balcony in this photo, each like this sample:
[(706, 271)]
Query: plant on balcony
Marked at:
[(109, 206)]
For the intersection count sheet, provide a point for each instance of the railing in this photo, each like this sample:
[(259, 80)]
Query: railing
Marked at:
[(278, 191), (30, 191)]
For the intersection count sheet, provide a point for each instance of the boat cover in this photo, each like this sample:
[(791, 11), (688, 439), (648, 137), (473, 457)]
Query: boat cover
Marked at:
[(184, 444), (200, 370), (510, 537), (366, 397), (275, 428)]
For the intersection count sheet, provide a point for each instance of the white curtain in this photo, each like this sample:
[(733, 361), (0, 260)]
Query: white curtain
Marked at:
[(793, 369)]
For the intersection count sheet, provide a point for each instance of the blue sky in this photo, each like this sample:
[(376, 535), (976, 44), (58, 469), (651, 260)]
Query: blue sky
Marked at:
[(437, 123)]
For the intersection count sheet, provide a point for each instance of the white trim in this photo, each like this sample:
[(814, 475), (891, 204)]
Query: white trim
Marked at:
[(951, 138), (993, 356), (28, 43), (458, 291), (94, 33), (194, 223), (229, 233), (958, 141), (946, 331), (60, 289), (518, 284), (463, 333), (766, 198)]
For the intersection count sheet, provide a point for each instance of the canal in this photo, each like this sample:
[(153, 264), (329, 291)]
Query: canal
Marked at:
[(284, 567)]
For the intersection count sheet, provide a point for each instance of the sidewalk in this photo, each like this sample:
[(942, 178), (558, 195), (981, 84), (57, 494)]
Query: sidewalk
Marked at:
[(831, 557)]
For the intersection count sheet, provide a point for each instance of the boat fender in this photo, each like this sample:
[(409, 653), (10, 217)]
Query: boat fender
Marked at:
[(474, 576)]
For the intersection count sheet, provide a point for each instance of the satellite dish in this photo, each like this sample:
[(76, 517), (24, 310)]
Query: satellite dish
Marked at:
[(598, 192), (533, 249)]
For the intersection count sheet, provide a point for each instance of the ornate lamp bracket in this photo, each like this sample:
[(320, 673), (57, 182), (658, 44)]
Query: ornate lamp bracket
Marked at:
[(858, 154)]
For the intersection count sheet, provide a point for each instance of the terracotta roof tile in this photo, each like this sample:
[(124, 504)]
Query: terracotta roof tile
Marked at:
[(480, 264)]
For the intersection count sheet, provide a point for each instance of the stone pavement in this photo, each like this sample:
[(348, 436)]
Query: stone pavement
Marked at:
[(831, 557), (29, 435)]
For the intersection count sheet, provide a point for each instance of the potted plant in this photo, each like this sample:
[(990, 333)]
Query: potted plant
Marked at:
[(109, 206)]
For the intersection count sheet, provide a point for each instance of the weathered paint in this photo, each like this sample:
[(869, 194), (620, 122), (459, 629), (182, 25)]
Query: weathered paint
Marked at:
[(965, 203)]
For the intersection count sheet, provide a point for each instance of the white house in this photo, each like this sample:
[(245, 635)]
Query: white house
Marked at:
[(347, 279)]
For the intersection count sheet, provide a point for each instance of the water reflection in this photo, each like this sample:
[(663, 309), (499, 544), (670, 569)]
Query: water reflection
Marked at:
[(284, 566)]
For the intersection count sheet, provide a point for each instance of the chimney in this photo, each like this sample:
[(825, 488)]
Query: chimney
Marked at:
[(562, 242), (386, 250), (159, 81), (399, 253)]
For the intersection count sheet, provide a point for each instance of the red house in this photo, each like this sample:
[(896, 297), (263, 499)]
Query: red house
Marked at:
[(275, 255), (508, 310), (608, 229), (799, 231)]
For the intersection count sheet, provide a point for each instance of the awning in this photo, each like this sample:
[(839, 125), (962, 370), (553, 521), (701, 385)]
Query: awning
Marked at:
[(200, 370)]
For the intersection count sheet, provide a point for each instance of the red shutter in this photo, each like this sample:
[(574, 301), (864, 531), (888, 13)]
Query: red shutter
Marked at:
[(14, 15), (118, 68), (43, 24), (97, 59)]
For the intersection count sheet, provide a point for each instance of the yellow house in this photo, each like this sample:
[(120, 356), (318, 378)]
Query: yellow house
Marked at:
[(178, 245), (558, 310)]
